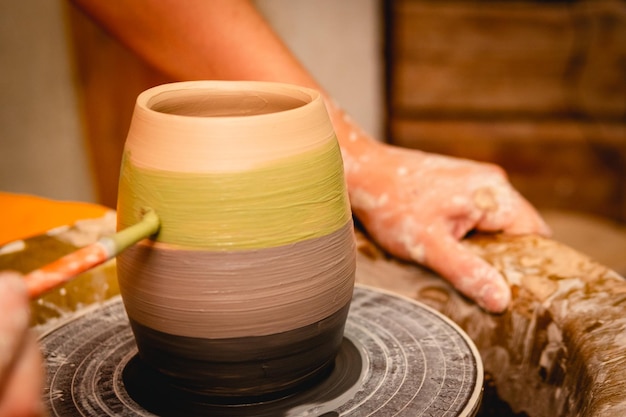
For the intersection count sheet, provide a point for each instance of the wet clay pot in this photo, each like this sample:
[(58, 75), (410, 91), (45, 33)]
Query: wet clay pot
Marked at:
[(245, 290)]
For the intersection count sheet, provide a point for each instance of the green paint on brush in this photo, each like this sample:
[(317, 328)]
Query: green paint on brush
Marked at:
[(147, 226), (288, 201)]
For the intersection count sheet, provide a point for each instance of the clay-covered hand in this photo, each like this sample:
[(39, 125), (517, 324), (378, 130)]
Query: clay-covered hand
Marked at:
[(21, 372), (418, 206)]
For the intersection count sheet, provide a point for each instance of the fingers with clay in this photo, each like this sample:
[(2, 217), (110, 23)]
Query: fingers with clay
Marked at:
[(468, 273), (419, 206)]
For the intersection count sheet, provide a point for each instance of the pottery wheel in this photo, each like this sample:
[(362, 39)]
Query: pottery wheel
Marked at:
[(398, 358)]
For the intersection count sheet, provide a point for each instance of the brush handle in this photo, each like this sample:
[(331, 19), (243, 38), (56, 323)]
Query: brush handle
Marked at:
[(71, 265)]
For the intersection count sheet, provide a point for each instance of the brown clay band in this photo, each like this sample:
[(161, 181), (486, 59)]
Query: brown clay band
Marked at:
[(244, 366), (227, 294)]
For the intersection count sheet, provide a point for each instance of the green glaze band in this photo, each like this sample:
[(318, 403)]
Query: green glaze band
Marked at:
[(146, 227), (300, 198)]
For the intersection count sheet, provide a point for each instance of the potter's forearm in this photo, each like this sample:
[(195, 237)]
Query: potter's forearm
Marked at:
[(199, 39), (218, 39)]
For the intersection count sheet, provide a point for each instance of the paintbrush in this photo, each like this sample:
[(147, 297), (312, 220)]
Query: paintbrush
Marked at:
[(66, 268)]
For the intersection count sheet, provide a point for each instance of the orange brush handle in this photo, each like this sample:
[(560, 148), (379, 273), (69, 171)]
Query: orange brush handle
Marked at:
[(69, 266), (64, 269)]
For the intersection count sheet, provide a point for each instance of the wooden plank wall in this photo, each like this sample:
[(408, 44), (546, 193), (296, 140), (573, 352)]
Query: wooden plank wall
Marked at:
[(538, 87)]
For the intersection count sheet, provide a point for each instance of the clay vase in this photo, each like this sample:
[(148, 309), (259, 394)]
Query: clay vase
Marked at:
[(246, 288)]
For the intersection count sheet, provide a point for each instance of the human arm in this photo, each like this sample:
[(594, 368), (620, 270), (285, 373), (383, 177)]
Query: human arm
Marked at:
[(21, 371), (404, 198)]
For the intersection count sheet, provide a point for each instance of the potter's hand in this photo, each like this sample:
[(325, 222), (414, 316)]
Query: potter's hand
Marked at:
[(418, 206), (21, 374)]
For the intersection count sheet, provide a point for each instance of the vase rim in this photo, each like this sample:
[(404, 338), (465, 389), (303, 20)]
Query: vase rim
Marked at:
[(225, 126), (220, 99)]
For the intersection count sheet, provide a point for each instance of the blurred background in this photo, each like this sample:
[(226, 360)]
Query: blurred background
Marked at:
[(536, 86)]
